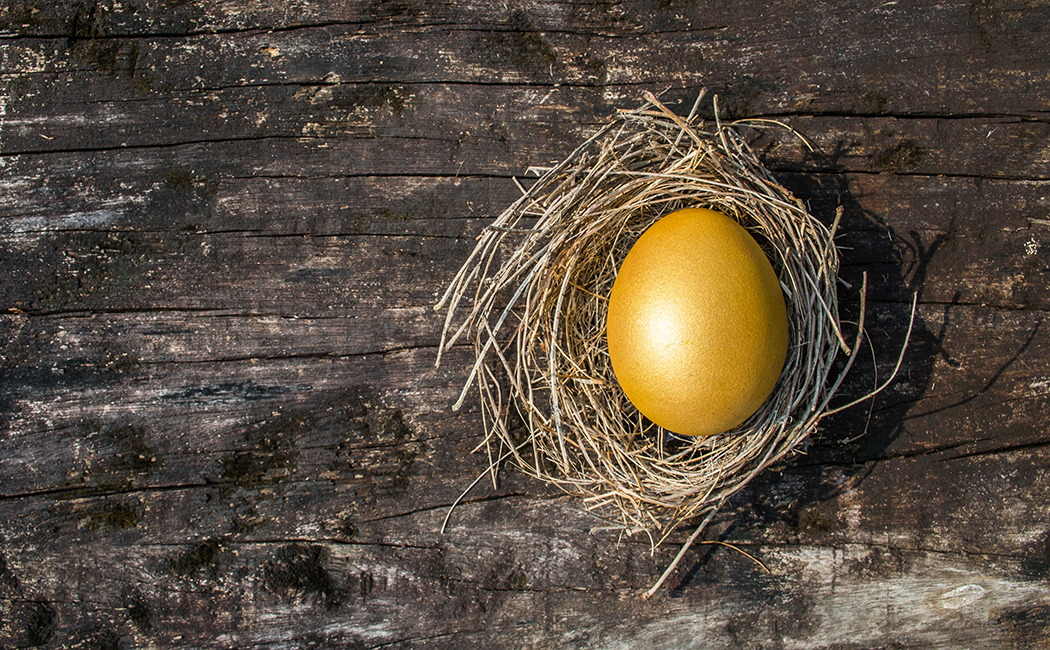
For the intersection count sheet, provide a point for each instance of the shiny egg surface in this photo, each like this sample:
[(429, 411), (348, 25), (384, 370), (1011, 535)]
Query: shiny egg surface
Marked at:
[(697, 325)]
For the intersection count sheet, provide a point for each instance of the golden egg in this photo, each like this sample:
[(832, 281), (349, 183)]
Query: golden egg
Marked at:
[(697, 326)]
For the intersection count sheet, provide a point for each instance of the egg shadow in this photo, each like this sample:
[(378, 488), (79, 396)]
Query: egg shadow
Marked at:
[(787, 498)]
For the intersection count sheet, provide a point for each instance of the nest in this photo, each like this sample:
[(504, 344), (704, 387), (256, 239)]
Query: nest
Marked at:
[(532, 298)]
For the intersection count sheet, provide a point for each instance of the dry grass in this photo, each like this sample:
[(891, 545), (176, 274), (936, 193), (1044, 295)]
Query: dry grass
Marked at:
[(532, 300)]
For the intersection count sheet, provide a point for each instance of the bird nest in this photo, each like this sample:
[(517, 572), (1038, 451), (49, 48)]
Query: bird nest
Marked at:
[(532, 299)]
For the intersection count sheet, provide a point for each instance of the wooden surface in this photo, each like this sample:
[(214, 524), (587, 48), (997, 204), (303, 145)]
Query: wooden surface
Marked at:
[(223, 226)]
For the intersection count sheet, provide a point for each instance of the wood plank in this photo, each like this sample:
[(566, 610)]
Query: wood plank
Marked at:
[(952, 395), (222, 230), (825, 57), (498, 575), (940, 239), (389, 124)]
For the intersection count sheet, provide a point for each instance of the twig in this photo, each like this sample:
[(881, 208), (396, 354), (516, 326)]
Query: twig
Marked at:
[(678, 558)]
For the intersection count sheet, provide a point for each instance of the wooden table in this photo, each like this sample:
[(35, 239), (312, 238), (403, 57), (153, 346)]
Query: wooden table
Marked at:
[(224, 227)]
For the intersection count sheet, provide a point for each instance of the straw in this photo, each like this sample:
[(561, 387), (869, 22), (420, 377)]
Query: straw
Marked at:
[(532, 296)]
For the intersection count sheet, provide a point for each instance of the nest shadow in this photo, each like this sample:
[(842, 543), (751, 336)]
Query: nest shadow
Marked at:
[(849, 440), (534, 292)]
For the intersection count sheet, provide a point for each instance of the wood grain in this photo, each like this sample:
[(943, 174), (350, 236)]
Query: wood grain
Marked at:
[(222, 230)]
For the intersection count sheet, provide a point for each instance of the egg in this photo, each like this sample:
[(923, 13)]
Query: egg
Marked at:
[(697, 326)]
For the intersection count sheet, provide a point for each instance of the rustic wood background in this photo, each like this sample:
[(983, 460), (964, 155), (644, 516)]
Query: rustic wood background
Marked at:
[(223, 226)]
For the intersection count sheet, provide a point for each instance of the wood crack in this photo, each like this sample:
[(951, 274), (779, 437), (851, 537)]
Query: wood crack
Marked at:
[(445, 506), (306, 356), (362, 28), (1014, 557), (931, 451), (1009, 449), (91, 492)]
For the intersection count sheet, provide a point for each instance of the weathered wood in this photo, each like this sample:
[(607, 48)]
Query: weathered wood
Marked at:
[(222, 230), (410, 222), (932, 58)]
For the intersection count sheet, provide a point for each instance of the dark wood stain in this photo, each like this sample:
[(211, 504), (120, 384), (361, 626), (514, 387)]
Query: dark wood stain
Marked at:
[(297, 570)]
